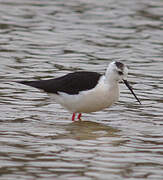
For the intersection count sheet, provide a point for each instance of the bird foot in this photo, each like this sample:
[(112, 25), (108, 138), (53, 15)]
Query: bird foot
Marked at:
[(78, 118)]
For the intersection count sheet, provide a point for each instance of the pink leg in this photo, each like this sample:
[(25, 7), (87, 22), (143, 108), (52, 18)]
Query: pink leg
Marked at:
[(79, 116), (73, 117)]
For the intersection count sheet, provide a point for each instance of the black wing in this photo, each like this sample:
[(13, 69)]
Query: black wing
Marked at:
[(71, 83)]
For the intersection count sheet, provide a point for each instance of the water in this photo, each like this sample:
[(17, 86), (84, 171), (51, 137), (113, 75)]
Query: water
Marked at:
[(45, 39)]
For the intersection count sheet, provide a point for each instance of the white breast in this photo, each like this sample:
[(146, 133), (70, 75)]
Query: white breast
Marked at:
[(98, 98)]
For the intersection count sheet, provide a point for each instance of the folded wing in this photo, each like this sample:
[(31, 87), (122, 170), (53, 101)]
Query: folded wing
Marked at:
[(71, 83)]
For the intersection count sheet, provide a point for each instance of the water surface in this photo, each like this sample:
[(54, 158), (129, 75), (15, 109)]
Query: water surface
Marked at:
[(46, 39)]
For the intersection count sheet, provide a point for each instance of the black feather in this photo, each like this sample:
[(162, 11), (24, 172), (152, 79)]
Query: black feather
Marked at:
[(119, 65), (71, 83)]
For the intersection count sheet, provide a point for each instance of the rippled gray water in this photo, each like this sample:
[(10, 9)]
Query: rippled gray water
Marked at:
[(45, 39)]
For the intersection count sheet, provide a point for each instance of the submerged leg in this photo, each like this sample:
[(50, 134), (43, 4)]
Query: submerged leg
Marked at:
[(79, 116), (73, 117)]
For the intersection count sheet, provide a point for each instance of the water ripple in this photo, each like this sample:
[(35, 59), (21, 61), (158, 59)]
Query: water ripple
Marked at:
[(41, 40)]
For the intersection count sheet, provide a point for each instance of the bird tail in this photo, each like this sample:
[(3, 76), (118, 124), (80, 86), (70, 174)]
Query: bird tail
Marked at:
[(35, 84)]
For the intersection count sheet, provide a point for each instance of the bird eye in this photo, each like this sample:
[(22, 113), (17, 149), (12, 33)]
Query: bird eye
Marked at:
[(120, 72)]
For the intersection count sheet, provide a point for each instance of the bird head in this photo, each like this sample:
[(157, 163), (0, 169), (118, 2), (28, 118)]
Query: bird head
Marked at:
[(117, 72)]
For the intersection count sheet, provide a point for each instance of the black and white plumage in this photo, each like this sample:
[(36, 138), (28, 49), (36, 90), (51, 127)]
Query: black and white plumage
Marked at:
[(84, 92), (72, 83)]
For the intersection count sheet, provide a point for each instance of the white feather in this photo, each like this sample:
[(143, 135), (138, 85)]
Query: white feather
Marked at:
[(98, 98)]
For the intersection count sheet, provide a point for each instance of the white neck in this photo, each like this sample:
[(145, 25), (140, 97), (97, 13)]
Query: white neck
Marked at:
[(110, 78)]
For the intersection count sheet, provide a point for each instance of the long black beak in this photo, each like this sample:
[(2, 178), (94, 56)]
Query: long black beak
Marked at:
[(130, 88)]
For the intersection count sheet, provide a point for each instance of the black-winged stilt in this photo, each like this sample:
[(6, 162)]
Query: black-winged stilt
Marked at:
[(85, 92)]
